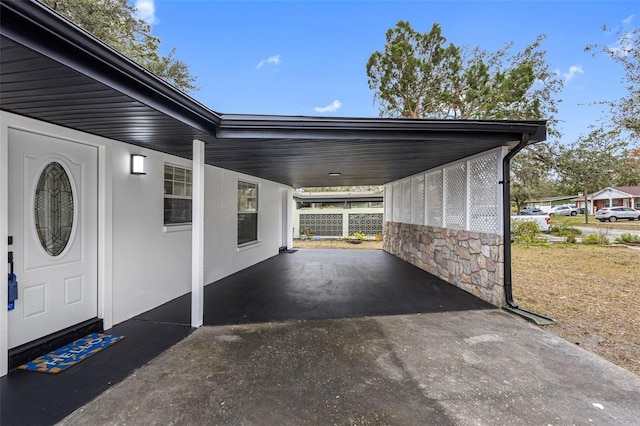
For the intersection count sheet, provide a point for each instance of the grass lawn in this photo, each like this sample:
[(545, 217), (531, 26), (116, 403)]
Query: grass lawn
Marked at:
[(629, 225), (592, 291)]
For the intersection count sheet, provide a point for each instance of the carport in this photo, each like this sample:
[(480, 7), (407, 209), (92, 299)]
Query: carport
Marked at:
[(313, 284), (446, 223), (446, 182)]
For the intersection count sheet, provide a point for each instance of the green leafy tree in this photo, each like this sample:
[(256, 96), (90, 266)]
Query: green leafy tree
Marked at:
[(531, 175), (629, 169), (625, 112), (115, 23), (418, 75), (592, 162)]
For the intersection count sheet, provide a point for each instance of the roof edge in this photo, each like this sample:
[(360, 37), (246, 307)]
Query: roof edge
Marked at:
[(39, 28), (246, 126)]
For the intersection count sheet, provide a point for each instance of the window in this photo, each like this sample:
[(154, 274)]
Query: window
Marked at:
[(53, 209), (247, 212), (178, 187)]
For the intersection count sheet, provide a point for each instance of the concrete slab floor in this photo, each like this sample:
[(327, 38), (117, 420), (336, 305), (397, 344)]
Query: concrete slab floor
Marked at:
[(483, 367)]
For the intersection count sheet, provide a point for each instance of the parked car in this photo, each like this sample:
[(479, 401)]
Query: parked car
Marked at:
[(614, 213), (564, 210), (531, 211)]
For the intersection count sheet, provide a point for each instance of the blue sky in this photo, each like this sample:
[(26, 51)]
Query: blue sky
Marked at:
[(309, 58)]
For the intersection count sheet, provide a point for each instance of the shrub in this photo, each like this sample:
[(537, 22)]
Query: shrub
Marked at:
[(628, 238), (595, 239), (359, 236), (564, 231), (525, 231), (571, 239)]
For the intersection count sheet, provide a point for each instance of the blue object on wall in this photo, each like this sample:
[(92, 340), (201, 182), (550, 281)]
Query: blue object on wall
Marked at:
[(13, 290)]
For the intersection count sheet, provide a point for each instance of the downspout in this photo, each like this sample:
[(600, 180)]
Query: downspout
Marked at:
[(506, 214)]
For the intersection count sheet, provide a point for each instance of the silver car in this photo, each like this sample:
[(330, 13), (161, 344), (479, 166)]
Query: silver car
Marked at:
[(614, 213)]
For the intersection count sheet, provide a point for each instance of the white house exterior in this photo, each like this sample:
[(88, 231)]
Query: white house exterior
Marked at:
[(92, 240), (139, 262), (612, 196)]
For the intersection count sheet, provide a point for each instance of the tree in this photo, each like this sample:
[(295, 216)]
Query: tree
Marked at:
[(419, 76), (531, 176), (629, 169), (115, 23), (591, 163), (625, 112)]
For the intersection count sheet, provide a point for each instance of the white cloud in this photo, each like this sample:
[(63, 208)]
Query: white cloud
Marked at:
[(332, 107), (628, 19), (624, 45), (146, 10), (573, 71), (271, 60)]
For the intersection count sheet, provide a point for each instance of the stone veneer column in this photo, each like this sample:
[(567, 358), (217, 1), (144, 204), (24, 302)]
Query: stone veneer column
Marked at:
[(472, 261)]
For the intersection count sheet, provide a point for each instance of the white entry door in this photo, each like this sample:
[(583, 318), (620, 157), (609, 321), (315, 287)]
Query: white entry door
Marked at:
[(53, 219)]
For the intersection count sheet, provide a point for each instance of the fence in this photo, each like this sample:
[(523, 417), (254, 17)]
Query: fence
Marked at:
[(338, 223)]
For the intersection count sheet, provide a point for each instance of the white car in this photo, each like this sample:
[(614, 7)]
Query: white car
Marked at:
[(614, 213), (564, 210)]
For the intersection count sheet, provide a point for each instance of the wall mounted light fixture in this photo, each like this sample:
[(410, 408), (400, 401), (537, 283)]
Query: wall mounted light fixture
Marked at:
[(137, 164)]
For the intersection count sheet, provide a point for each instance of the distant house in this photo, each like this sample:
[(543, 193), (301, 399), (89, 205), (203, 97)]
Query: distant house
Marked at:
[(611, 196), (337, 214), (545, 204)]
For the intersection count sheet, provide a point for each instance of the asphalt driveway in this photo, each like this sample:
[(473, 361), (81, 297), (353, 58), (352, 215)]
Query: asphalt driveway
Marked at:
[(468, 368)]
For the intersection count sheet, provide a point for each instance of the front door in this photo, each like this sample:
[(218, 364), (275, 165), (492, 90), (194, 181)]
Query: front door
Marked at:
[(53, 222)]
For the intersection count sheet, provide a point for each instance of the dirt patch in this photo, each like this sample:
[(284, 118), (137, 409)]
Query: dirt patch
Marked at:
[(592, 291), (338, 244)]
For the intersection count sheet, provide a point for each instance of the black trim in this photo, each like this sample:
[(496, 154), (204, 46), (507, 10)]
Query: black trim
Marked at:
[(506, 221), (36, 348), (239, 126)]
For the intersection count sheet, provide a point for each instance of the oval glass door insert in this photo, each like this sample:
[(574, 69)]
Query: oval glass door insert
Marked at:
[(54, 209)]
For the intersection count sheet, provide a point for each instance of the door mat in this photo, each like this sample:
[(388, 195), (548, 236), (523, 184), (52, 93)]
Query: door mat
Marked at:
[(71, 354)]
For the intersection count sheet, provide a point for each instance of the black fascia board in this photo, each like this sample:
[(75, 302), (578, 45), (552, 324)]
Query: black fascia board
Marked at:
[(40, 29), (236, 126)]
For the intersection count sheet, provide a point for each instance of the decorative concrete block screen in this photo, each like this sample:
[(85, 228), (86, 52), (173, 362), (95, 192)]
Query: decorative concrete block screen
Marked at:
[(447, 221), (365, 223), (326, 225)]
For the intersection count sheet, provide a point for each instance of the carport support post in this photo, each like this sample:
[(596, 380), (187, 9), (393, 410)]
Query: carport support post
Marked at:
[(197, 236)]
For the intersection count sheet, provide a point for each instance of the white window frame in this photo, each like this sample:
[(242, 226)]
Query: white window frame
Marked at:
[(186, 194), (255, 211)]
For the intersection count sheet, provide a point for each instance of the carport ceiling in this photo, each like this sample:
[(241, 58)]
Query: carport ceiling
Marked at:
[(53, 71)]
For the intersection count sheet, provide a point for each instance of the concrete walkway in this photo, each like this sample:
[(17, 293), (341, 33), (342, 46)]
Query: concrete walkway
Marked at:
[(467, 368)]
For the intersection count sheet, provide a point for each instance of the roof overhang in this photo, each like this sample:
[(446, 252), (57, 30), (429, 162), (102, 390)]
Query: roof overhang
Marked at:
[(53, 71)]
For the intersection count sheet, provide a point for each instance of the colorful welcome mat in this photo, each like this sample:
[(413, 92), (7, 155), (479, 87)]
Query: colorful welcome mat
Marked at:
[(71, 354)]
